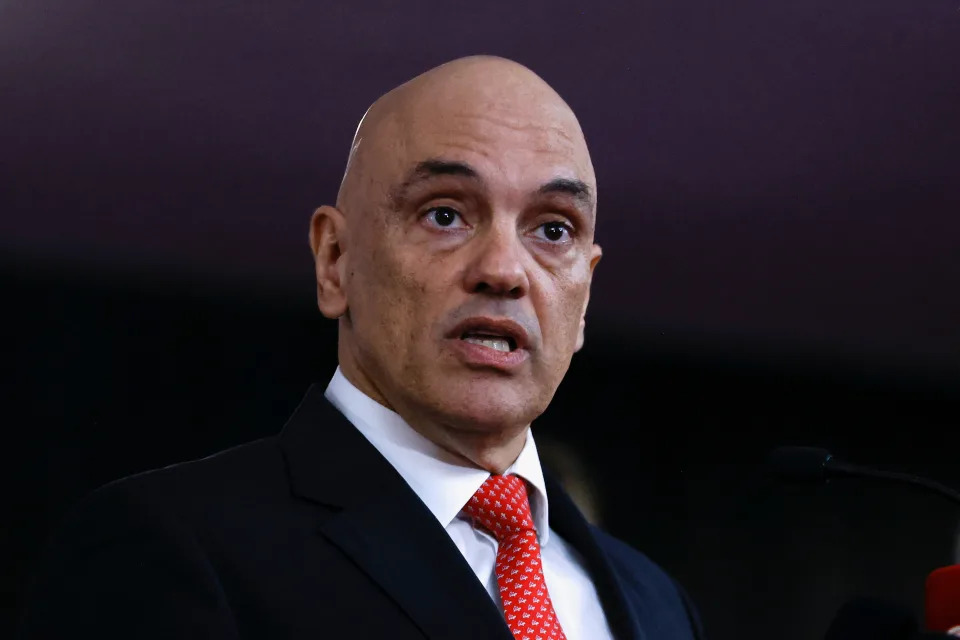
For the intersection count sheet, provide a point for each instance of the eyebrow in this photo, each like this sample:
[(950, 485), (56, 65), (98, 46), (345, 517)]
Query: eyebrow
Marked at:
[(434, 167), (431, 168), (579, 189)]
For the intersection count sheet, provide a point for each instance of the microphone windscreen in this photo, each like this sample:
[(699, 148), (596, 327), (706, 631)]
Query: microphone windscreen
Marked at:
[(942, 608)]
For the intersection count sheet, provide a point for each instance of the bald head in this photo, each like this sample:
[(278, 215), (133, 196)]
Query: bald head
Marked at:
[(459, 256), (464, 96)]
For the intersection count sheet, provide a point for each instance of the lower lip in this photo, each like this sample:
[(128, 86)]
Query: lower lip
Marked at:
[(481, 356)]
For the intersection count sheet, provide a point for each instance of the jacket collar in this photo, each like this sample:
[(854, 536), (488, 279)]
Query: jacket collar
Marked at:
[(392, 536)]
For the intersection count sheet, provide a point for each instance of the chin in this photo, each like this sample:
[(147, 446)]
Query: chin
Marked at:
[(491, 404)]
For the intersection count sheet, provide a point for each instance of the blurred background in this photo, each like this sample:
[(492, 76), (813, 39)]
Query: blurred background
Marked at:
[(779, 197)]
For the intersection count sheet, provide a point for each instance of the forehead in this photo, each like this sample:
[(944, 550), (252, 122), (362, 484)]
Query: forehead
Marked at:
[(524, 145)]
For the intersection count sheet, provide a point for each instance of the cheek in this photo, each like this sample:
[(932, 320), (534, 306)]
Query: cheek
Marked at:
[(374, 291), (563, 310), (392, 297)]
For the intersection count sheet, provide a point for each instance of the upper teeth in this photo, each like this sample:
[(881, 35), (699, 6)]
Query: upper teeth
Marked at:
[(500, 344)]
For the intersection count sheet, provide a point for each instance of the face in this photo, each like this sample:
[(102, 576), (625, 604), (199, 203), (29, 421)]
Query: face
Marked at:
[(467, 275)]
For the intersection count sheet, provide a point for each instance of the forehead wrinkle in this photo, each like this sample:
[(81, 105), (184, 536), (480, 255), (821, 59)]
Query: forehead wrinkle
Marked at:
[(553, 130), (490, 146), (543, 132), (514, 122)]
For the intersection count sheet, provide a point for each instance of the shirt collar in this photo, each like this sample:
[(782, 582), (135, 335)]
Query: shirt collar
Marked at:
[(442, 481)]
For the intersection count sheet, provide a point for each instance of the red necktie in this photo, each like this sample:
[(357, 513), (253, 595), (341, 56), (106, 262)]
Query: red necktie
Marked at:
[(501, 507)]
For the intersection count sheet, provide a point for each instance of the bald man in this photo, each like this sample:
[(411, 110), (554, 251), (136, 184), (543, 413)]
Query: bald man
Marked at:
[(404, 500)]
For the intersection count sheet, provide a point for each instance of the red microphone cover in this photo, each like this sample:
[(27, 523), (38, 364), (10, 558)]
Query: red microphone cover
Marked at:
[(942, 610)]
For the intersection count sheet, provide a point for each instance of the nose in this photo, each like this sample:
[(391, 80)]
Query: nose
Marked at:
[(496, 267)]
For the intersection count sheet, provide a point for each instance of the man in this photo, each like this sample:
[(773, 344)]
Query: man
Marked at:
[(406, 500)]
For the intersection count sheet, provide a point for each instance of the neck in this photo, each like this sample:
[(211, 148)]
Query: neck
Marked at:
[(492, 452), (477, 446)]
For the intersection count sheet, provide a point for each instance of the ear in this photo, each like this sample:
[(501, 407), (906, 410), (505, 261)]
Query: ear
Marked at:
[(595, 254), (328, 228)]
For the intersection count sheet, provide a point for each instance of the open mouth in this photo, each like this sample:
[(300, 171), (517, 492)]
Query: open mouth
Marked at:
[(498, 343), (502, 339)]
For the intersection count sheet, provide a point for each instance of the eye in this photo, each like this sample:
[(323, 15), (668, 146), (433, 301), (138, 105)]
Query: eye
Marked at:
[(444, 217), (555, 232)]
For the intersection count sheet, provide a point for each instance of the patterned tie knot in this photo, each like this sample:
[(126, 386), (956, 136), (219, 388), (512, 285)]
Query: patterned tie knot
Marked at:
[(501, 507)]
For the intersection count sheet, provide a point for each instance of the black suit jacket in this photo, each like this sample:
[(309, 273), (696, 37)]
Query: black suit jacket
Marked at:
[(311, 534)]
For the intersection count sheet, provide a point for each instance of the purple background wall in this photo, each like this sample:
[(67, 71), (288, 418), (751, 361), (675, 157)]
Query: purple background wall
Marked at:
[(779, 197), (775, 171)]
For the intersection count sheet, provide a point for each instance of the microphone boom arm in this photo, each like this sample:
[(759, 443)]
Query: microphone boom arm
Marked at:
[(835, 467)]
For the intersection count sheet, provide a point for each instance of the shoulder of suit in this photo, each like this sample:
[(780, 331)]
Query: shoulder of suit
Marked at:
[(237, 470), (242, 475)]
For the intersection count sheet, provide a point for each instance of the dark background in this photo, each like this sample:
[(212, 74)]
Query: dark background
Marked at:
[(779, 202)]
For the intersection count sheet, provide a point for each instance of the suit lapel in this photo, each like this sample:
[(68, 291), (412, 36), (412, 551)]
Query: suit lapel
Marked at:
[(567, 520), (383, 526)]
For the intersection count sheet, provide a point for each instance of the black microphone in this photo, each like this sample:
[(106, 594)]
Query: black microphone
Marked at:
[(860, 617), (810, 464)]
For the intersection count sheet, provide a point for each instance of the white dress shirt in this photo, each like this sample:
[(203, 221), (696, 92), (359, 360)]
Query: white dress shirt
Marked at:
[(445, 485)]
